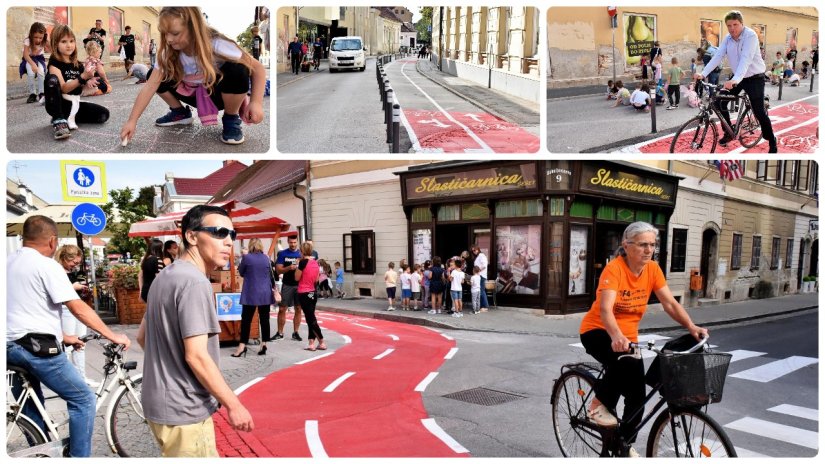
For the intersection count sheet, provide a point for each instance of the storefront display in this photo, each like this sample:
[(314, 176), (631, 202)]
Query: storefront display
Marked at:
[(578, 260), (518, 258)]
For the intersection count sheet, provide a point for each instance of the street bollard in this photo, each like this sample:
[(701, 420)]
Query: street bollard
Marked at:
[(396, 128), (813, 73), (384, 101), (780, 88), (653, 110), (388, 106)]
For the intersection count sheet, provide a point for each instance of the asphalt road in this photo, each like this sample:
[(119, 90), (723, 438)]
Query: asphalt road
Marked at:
[(28, 129), (333, 113), (568, 118)]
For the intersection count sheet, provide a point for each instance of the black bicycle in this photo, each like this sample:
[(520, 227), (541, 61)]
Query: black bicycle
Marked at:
[(686, 380), (699, 134)]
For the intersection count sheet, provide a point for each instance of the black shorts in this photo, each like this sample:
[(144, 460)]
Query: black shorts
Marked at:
[(391, 292)]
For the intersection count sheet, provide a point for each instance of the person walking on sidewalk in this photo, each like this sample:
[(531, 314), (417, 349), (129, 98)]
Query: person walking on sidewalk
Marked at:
[(286, 263), (613, 320), (741, 47), (256, 295), (307, 276), (182, 381)]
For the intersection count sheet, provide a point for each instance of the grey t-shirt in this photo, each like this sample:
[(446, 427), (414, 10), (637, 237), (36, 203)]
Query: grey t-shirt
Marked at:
[(180, 306)]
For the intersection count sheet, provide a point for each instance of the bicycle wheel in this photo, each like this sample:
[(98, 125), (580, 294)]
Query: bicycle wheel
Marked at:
[(575, 439), (130, 433), (695, 137), (688, 433), (21, 434), (750, 132)]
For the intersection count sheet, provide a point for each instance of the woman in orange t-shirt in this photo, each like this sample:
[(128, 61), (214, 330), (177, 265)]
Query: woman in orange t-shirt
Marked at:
[(613, 322)]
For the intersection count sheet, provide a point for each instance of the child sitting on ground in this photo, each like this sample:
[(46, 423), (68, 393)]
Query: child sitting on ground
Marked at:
[(640, 99), (793, 81), (611, 90), (804, 73), (622, 95), (94, 65), (692, 97)]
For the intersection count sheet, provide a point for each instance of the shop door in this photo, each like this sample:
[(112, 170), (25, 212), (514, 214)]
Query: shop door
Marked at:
[(814, 269), (608, 238), (451, 240), (706, 269), (480, 235)]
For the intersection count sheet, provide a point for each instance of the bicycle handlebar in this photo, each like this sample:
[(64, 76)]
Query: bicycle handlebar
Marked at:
[(651, 347)]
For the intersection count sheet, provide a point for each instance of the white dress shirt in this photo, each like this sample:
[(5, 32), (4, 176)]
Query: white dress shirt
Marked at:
[(744, 56)]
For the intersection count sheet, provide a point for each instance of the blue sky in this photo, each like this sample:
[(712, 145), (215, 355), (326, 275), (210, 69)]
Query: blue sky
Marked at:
[(43, 177)]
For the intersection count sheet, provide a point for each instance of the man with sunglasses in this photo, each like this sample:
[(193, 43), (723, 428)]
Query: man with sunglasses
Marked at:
[(286, 263), (182, 381), (37, 289)]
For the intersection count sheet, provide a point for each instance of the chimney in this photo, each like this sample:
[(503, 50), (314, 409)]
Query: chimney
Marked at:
[(228, 162), (26, 194)]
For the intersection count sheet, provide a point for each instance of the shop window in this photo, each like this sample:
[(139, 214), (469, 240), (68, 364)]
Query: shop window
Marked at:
[(475, 211), (449, 213), (756, 252), (359, 252), (776, 243), (789, 253), (661, 219), (518, 259), (606, 213), (519, 208), (646, 216), (422, 244), (578, 260), (581, 209), (736, 252), (557, 207), (678, 250), (625, 215), (555, 258), (422, 214)]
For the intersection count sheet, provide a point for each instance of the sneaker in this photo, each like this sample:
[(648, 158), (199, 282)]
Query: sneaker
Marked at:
[(176, 116), (632, 453), (41, 99), (670, 107), (601, 416), (278, 336), (432, 311), (232, 133), (296, 337), (32, 98), (725, 140), (390, 308), (61, 129), (343, 295), (482, 310)]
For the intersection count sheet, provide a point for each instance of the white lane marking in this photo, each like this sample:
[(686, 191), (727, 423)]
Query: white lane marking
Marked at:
[(394, 337), (385, 353), (362, 325), (776, 369), (447, 337), (331, 387), (739, 355), (447, 115), (434, 429), (247, 385), (315, 358), (316, 448), (423, 384), (451, 353), (798, 411), (814, 120), (744, 453), (774, 431), (347, 339)]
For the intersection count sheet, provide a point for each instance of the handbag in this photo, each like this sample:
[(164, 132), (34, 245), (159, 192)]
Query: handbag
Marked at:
[(42, 345)]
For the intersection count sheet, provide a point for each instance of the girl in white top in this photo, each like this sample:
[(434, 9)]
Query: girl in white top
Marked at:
[(34, 61), (406, 291), (456, 279), (201, 67), (475, 289), (415, 285)]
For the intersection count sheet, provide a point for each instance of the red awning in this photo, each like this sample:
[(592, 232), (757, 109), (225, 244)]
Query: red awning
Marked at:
[(249, 221)]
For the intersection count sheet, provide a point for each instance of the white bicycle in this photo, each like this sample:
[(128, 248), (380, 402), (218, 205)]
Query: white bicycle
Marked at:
[(127, 432)]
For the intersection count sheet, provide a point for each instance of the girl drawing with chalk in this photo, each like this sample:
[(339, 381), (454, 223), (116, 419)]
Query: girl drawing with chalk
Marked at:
[(201, 67), (66, 79)]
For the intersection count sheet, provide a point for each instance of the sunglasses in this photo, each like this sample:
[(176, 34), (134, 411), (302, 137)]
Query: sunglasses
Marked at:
[(218, 232)]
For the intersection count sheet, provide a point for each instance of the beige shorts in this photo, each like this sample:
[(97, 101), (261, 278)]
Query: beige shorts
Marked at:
[(192, 440)]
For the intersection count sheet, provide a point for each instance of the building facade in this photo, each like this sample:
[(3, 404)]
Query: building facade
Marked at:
[(581, 48), (182, 193), (494, 46)]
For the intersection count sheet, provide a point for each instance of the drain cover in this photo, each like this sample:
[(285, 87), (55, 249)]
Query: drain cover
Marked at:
[(484, 396)]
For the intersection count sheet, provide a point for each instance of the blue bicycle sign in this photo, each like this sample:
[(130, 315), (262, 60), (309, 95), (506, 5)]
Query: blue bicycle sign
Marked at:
[(88, 219)]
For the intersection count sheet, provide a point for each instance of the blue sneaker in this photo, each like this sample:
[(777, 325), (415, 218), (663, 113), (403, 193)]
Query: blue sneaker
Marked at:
[(175, 116), (232, 133)]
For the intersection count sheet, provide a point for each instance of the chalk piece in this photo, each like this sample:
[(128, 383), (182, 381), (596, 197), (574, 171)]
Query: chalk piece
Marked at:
[(124, 142)]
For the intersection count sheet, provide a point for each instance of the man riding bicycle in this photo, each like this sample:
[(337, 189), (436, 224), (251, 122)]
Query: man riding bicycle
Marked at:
[(613, 320), (741, 46), (37, 287)]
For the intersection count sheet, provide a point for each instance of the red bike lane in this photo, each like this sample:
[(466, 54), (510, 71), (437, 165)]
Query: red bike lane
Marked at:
[(371, 407), (462, 132), (795, 126)]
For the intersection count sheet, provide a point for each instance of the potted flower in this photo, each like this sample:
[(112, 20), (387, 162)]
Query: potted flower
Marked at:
[(123, 279), (806, 284)]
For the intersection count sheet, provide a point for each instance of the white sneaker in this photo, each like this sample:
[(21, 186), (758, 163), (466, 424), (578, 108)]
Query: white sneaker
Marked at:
[(601, 416), (456, 315), (432, 311), (390, 308), (632, 453)]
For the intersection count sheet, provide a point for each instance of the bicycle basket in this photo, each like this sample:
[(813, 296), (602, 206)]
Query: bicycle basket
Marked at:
[(693, 379)]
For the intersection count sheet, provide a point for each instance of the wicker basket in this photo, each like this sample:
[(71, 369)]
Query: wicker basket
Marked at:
[(693, 379)]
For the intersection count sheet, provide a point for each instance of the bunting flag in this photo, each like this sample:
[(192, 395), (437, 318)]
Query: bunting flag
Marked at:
[(729, 169)]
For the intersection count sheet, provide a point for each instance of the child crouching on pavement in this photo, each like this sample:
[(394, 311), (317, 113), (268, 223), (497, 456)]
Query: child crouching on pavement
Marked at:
[(201, 67), (640, 99), (138, 70), (611, 90), (65, 81), (622, 95), (33, 64)]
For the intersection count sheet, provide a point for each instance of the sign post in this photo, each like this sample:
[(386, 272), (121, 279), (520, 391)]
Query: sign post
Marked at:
[(89, 219), (611, 11)]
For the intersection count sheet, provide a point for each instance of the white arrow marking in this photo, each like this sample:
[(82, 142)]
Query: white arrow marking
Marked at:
[(474, 117), (433, 121)]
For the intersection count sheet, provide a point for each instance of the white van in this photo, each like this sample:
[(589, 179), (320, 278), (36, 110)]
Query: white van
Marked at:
[(347, 53)]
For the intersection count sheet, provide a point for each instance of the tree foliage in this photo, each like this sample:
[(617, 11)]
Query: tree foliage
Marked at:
[(423, 24), (131, 209), (244, 39)]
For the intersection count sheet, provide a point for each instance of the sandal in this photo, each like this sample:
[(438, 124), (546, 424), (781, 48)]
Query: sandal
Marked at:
[(310, 348), (322, 346)]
